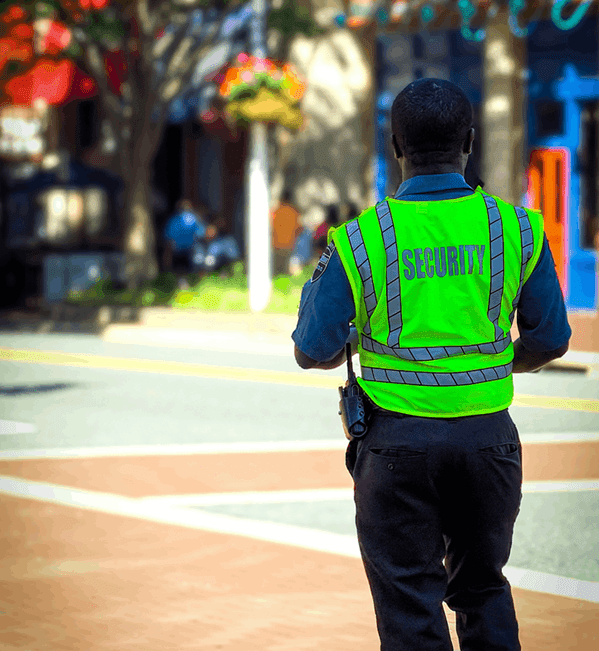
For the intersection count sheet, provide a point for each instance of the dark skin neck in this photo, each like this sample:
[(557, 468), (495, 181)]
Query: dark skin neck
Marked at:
[(408, 170)]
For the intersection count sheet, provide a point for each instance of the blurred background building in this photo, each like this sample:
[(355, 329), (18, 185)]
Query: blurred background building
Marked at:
[(529, 67)]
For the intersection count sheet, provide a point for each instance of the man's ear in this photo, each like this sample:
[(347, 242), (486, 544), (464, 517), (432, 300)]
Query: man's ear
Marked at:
[(396, 149), (468, 142)]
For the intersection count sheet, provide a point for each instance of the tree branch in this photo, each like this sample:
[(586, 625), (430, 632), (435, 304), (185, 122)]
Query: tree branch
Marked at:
[(146, 20), (135, 81), (93, 54), (181, 68), (174, 33)]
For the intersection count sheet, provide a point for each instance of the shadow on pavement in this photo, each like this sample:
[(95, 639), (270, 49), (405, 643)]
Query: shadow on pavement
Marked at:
[(36, 388)]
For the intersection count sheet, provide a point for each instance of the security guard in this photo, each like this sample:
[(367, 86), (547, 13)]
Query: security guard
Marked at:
[(432, 278)]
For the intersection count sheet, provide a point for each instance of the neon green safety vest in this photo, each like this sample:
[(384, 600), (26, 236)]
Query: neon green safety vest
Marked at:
[(435, 286)]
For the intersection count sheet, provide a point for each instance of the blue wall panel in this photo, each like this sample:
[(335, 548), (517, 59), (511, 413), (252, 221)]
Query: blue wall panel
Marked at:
[(563, 67)]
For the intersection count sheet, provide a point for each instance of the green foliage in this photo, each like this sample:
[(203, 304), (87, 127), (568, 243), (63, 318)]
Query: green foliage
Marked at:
[(46, 8), (222, 292), (105, 27), (294, 18), (74, 51), (105, 292)]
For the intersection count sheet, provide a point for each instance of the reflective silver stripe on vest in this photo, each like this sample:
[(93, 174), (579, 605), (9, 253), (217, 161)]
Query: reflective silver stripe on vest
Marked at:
[(437, 352), (497, 264), (527, 242), (393, 295), (356, 242), (464, 378)]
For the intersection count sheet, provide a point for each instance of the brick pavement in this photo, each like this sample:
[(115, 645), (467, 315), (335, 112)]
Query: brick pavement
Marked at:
[(196, 473), (75, 579)]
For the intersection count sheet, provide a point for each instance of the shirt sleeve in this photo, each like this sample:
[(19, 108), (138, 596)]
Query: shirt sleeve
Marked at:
[(542, 318), (326, 309)]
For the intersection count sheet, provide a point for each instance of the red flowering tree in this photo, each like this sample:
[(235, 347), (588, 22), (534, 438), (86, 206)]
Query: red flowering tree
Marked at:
[(37, 59), (139, 55)]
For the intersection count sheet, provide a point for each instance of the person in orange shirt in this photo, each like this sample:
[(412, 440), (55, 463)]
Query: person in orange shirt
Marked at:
[(285, 228)]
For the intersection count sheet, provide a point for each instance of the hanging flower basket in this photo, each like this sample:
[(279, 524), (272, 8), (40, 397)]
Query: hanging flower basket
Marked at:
[(266, 106), (260, 90)]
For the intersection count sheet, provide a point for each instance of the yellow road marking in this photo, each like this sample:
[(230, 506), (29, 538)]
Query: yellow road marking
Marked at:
[(245, 375), (172, 368), (555, 402)]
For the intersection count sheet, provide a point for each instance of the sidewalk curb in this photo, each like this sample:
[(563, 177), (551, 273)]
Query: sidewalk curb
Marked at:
[(67, 319), (247, 322), (95, 320)]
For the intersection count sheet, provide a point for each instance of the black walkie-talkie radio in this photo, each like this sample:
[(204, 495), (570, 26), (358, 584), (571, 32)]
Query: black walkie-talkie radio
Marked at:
[(352, 406)]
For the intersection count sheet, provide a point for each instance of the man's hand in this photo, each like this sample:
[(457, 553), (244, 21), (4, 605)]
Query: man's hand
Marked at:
[(528, 361), (306, 362)]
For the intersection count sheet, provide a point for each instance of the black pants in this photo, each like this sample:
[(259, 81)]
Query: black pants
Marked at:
[(431, 491)]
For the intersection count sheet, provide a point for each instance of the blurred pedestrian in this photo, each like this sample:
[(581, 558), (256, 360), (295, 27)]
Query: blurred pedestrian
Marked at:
[(302, 252), (331, 220), (351, 211), (221, 250), (285, 228), (182, 233)]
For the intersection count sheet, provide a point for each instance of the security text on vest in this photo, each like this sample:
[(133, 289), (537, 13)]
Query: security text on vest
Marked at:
[(441, 261)]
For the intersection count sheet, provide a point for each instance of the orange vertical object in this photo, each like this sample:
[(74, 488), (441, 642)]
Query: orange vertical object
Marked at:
[(548, 191)]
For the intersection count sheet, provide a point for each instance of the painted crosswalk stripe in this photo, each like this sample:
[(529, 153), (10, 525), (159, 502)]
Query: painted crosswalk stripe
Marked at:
[(8, 427), (247, 447), (254, 497), (294, 536), (325, 494)]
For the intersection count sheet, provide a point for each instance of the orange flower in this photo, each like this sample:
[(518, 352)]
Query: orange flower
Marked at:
[(15, 12), (22, 31)]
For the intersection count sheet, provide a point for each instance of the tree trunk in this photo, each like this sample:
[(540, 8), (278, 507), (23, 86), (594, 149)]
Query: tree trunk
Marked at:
[(137, 156), (139, 237), (368, 42), (503, 115)]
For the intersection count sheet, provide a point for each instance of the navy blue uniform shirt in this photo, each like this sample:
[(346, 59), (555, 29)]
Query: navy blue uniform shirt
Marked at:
[(327, 305)]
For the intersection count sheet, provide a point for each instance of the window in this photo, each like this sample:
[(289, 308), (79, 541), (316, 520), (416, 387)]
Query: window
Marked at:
[(87, 124), (588, 155), (549, 116), (417, 46)]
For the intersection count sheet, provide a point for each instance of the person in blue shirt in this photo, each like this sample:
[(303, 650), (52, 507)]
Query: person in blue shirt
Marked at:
[(302, 251), (435, 520), (217, 251), (182, 233)]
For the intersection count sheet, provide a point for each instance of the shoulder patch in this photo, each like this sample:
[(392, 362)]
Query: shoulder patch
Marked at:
[(323, 263)]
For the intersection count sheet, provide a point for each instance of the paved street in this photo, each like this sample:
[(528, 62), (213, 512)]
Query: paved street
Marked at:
[(186, 489)]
